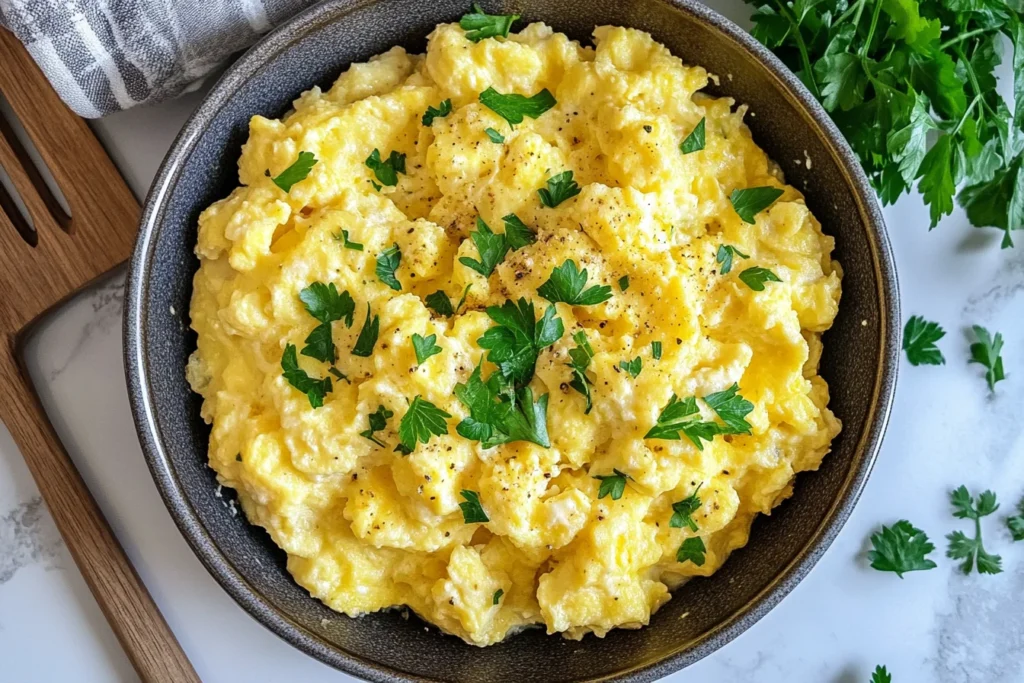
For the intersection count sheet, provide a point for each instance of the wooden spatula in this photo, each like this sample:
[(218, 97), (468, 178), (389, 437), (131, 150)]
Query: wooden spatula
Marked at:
[(40, 268)]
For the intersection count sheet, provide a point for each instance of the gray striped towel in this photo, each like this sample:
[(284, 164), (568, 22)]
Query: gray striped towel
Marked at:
[(102, 56)]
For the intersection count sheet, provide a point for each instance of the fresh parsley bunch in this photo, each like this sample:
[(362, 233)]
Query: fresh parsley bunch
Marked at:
[(898, 74)]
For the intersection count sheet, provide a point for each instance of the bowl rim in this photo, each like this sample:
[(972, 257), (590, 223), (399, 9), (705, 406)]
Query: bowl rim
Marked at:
[(185, 517)]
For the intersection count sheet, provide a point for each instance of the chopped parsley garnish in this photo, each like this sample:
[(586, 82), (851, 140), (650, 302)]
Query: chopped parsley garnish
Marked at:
[(680, 418), (497, 596), (1016, 524), (386, 171), (880, 675), (517, 339), (440, 111), (314, 389), (656, 350), (624, 283), (367, 338), (682, 512), (472, 510), (986, 351), (919, 337), (752, 200), (517, 233), (499, 414), (613, 485), (491, 247), (378, 422), (343, 237), (514, 107), (693, 550), (560, 187), (496, 137), (440, 303), (479, 25), (387, 264), (421, 421), (694, 142), (323, 302), (580, 358), (725, 255), (755, 277), (425, 347), (338, 374), (298, 171), (971, 550), (633, 367), (566, 284), (900, 548)]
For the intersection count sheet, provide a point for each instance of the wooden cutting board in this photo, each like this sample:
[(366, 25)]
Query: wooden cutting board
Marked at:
[(43, 262)]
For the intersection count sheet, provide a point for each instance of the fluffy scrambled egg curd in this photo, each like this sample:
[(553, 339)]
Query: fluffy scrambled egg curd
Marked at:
[(516, 332)]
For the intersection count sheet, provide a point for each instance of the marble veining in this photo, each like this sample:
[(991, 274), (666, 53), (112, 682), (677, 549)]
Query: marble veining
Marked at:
[(27, 536), (106, 303)]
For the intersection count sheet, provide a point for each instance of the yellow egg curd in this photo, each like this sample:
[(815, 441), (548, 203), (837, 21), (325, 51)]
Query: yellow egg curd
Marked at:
[(619, 442)]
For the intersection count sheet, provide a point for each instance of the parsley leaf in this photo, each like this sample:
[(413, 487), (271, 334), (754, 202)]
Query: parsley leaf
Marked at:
[(421, 421), (752, 200), (1016, 524), (378, 422), (367, 338), (497, 596), (986, 351), (613, 485), (320, 344), (900, 548), (560, 187), (517, 339), (297, 172), (694, 142), (880, 675), (683, 418), (472, 510), (731, 408), (440, 111), (343, 237), (491, 247), (338, 374), (514, 107), (633, 367), (314, 389), (386, 171), (624, 283), (495, 137), (425, 347), (693, 550), (919, 337), (566, 284), (682, 512), (725, 254), (971, 550), (387, 264), (517, 233), (325, 304), (936, 174), (479, 25), (580, 358), (656, 350), (755, 277), (498, 414), (442, 305)]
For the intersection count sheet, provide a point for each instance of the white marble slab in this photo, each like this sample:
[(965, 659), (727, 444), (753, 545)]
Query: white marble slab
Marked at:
[(936, 626)]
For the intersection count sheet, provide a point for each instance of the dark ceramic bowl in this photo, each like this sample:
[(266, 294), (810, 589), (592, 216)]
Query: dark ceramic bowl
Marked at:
[(859, 361)]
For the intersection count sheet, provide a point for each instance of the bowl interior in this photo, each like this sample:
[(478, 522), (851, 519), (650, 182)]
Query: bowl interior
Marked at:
[(201, 168)]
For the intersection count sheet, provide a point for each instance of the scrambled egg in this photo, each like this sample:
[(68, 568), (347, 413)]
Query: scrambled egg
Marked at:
[(367, 528)]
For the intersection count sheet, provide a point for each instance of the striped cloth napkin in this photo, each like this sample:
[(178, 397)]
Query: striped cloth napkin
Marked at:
[(102, 56)]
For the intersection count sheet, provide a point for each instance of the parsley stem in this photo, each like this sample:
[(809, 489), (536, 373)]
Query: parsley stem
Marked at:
[(843, 17), (974, 102), (973, 78), (804, 58), (871, 31), (962, 37)]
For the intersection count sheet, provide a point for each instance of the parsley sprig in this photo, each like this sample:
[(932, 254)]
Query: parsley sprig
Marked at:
[(421, 421), (378, 422), (491, 247), (367, 338), (682, 418), (323, 302), (472, 510), (612, 485), (751, 201), (919, 337), (514, 343), (1016, 523), (386, 171), (694, 142), (901, 548), (387, 264), (896, 74), (755, 277), (725, 255), (580, 358), (514, 107), (961, 546), (567, 283), (682, 512), (314, 389), (498, 414), (987, 352), (425, 347), (560, 187), (295, 173), (633, 367), (479, 25), (440, 111), (440, 303), (692, 549), (881, 675)]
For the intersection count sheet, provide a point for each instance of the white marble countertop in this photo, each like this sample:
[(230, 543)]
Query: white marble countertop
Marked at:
[(935, 626)]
